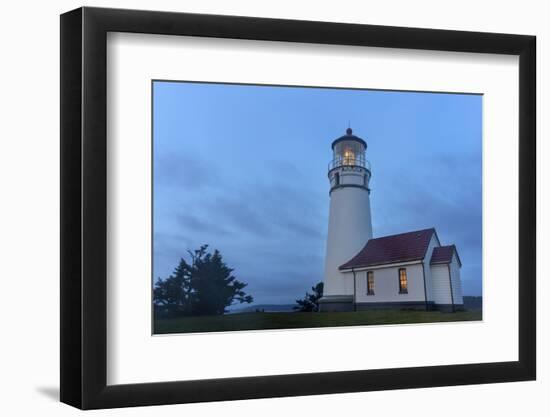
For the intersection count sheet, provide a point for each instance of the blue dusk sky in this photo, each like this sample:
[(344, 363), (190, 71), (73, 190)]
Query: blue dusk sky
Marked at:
[(244, 169)]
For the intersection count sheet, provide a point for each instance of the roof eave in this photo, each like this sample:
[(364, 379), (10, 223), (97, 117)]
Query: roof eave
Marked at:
[(440, 263), (350, 268), (457, 256), (434, 232)]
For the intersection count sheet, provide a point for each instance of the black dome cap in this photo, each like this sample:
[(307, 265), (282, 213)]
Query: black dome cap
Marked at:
[(349, 136)]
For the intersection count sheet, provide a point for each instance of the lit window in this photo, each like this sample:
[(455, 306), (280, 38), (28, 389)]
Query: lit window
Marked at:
[(370, 283), (349, 157), (402, 281)]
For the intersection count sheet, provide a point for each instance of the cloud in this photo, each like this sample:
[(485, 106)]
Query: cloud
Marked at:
[(183, 171), (193, 224), (242, 215), (268, 210)]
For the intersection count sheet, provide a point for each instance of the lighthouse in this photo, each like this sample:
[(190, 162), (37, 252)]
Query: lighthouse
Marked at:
[(350, 225), (409, 270)]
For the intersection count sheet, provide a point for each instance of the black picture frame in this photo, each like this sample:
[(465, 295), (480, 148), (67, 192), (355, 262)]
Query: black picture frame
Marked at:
[(84, 207)]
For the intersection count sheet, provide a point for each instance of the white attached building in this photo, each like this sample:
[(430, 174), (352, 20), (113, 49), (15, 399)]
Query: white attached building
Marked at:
[(407, 270)]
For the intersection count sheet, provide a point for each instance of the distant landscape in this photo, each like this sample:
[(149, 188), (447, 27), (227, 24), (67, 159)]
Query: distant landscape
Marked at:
[(473, 303), (265, 308), (470, 303)]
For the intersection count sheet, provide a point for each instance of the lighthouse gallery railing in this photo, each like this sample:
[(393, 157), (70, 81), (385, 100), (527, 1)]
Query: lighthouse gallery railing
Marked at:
[(349, 162)]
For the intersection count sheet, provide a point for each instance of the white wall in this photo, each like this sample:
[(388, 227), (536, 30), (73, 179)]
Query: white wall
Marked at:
[(386, 285), (442, 285), (456, 281), (30, 202), (349, 229)]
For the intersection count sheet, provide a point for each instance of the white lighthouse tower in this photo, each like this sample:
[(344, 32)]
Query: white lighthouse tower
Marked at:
[(350, 225)]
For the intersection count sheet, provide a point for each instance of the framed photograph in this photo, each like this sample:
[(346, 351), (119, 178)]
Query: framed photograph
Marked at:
[(258, 207)]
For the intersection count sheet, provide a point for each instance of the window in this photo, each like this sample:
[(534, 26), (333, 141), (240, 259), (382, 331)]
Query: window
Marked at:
[(337, 178), (349, 157), (370, 283), (365, 181), (402, 281)]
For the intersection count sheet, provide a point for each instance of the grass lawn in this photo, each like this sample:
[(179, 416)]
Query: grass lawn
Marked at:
[(261, 321)]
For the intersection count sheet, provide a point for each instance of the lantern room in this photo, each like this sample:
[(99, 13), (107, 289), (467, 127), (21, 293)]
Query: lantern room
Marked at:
[(348, 150)]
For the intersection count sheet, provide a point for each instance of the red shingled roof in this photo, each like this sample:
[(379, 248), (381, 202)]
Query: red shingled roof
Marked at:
[(405, 247), (443, 255)]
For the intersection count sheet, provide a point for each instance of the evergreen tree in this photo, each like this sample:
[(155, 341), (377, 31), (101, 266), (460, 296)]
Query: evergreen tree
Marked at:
[(206, 286), (311, 301), (174, 294)]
